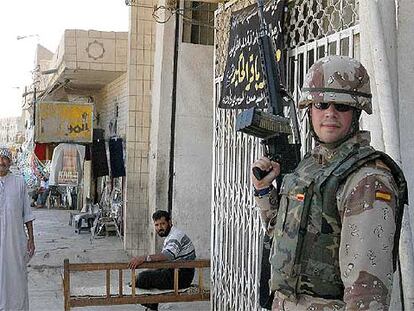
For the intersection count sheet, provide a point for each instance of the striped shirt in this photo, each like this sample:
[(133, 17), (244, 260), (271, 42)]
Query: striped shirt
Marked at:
[(178, 246)]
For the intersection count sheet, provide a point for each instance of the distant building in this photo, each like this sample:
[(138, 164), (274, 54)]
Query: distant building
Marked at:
[(152, 88), (11, 131)]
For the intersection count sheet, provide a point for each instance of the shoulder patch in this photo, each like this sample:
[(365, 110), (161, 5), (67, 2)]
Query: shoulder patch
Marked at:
[(365, 193)]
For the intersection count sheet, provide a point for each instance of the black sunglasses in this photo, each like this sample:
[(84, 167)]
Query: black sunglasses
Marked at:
[(338, 107)]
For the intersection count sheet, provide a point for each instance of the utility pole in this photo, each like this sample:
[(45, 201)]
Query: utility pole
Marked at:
[(23, 37)]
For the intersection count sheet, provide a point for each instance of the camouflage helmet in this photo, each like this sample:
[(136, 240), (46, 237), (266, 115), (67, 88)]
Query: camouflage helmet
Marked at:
[(338, 79)]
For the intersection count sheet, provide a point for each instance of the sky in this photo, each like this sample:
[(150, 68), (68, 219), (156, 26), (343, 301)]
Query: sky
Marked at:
[(43, 22)]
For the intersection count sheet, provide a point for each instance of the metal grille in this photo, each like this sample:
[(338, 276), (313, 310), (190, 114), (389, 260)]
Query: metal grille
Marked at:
[(236, 232), (300, 59), (314, 19), (306, 21)]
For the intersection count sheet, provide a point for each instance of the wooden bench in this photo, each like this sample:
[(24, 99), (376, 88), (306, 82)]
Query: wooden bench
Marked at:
[(120, 298)]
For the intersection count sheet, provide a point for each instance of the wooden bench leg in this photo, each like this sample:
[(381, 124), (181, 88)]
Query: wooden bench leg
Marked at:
[(133, 282), (200, 281), (120, 283), (176, 281), (66, 284)]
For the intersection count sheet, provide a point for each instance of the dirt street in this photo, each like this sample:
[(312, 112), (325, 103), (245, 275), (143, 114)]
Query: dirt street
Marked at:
[(55, 241)]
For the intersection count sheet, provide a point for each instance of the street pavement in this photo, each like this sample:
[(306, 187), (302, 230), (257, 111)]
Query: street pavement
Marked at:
[(56, 240)]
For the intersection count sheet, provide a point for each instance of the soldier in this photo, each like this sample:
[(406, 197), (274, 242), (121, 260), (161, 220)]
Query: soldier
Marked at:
[(336, 220)]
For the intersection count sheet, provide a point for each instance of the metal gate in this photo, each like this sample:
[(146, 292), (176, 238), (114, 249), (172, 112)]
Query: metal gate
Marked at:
[(313, 29)]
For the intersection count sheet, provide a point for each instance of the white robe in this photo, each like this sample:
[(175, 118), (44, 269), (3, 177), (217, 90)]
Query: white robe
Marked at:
[(15, 211)]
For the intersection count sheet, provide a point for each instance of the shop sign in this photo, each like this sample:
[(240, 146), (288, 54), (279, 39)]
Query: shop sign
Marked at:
[(63, 122)]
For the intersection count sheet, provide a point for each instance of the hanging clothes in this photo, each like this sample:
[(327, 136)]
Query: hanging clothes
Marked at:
[(15, 211), (116, 156), (99, 159), (40, 151), (69, 158)]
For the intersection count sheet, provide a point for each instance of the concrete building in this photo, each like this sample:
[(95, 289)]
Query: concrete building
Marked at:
[(151, 87), (11, 131), (89, 68)]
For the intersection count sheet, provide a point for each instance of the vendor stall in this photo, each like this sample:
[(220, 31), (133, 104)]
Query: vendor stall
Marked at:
[(66, 171)]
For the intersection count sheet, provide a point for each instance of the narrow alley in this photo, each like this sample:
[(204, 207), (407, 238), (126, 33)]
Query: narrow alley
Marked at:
[(55, 241)]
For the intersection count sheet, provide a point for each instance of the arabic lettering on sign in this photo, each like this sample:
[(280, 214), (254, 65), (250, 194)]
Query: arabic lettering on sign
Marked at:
[(248, 71), (243, 84), (239, 43), (77, 128)]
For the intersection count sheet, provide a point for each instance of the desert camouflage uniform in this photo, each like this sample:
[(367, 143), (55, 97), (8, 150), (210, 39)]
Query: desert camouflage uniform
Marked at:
[(366, 203), (336, 218)]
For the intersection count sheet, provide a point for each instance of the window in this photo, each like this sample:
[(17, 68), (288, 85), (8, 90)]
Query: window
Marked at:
[(198, 25)]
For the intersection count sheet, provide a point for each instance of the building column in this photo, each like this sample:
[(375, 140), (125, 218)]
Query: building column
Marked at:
[(139, 233)]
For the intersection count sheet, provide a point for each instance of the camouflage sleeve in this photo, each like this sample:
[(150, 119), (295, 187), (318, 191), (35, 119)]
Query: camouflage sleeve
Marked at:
[(367, 204), (268, 206)]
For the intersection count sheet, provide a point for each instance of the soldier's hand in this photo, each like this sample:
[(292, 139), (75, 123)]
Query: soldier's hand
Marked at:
[(273, 169)]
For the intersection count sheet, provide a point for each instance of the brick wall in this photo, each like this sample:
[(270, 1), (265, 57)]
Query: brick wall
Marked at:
[(111, 96), (139, 233)]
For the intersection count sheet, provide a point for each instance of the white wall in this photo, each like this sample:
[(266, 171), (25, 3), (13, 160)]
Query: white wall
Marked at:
[(368, 47), (406, 108), (406, 89), (394, 56), (160, 134), (194, 137)]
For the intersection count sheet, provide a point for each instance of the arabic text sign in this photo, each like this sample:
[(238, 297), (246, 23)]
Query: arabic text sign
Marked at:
[(243, 85), (63, 122)]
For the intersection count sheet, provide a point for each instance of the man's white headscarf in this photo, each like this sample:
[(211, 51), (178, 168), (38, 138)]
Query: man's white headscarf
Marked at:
[(5, 153)]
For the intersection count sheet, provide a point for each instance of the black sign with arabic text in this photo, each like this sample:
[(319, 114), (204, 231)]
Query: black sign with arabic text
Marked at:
[(243, 86)]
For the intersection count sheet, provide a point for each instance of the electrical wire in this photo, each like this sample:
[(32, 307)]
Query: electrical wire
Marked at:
[(169, 11)]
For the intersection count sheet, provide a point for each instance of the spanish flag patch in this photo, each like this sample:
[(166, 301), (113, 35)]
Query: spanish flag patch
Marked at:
[(383, 196), (300, 197)]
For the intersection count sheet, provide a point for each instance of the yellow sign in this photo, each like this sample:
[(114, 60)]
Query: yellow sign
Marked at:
[(63, 122)]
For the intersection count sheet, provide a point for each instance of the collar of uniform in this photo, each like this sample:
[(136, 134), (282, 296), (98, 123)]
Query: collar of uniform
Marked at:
[(325, 155)]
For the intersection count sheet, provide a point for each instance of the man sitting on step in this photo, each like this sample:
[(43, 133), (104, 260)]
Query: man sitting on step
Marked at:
[(177, 246)]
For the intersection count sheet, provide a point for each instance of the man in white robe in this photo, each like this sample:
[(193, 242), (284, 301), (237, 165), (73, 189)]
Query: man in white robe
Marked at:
[(16, 246)]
